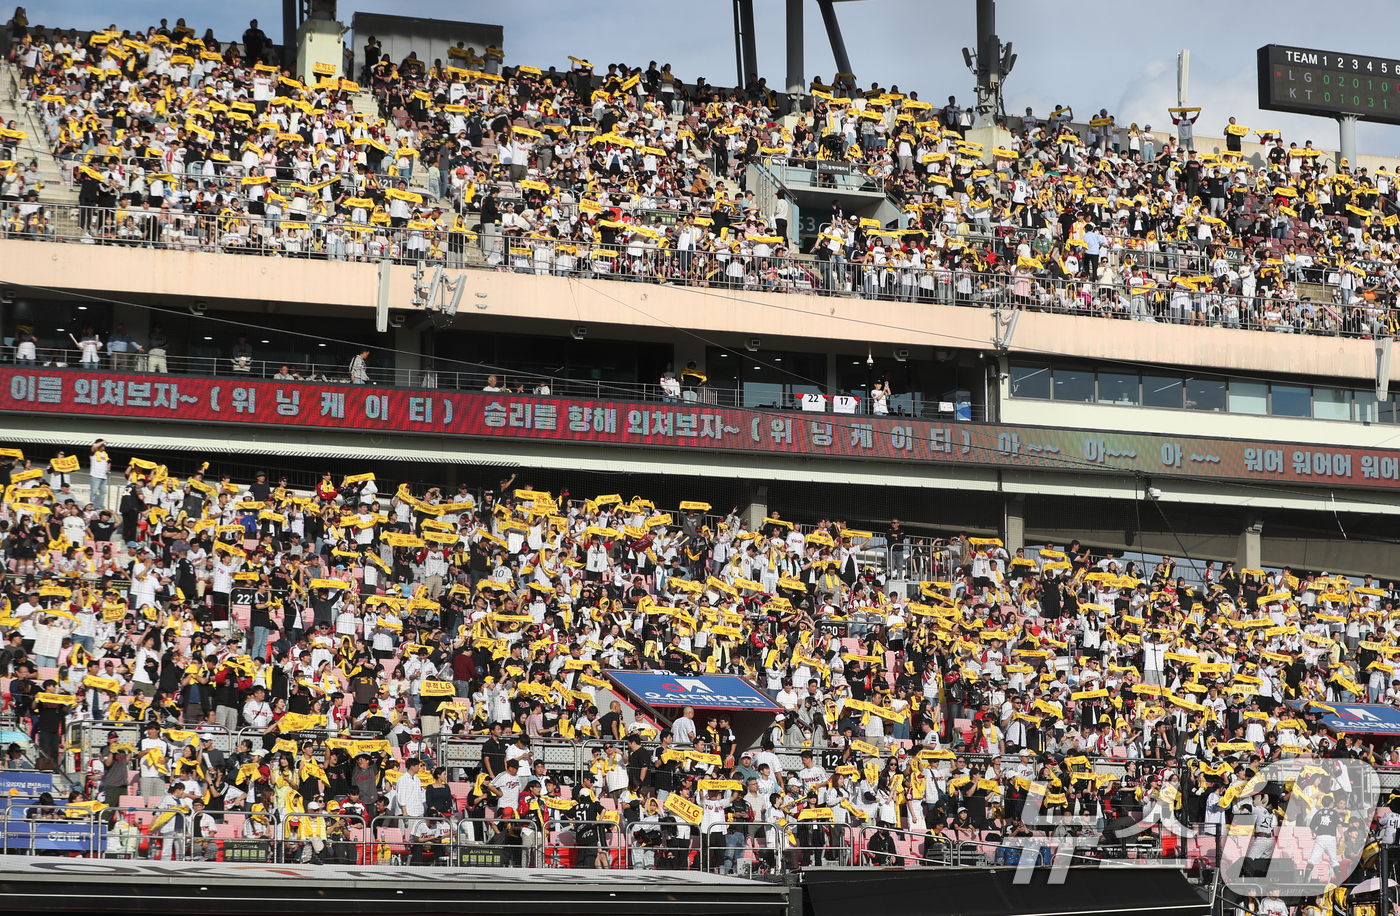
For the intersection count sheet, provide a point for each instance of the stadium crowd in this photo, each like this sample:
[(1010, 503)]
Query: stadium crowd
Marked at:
[(298, 663), (178, 141)]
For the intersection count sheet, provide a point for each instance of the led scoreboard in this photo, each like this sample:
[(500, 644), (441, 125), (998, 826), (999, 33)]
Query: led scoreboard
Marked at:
[(1304, 81)]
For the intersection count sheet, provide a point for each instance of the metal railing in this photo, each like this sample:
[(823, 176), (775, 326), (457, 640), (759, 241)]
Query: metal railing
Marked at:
[(557, 842), (757, 270)]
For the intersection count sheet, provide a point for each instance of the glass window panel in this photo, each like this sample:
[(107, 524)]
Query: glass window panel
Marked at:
[(1291, 400), (1367, 410), (1030, 381), (1118, 388), (1249, 397), (1161, 391), (1387, 410), (1206, 394), (763, 394), (1331, 404), (1072, 384)]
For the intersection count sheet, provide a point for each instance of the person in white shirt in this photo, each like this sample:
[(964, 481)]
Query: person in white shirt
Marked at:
[(506, 786), (172, 813), (683, 729), (99, 465), (257, 712), (409, 789), (152, 780), (811, 774)]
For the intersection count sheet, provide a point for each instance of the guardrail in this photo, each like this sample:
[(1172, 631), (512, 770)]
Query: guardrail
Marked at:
[(553, 842), (759, 269)]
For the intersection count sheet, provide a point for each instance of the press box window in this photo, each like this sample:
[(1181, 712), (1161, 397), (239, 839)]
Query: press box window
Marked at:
[(1249, 397), (1119, 388), (1161, 391), (1331, 404), (1290, 400), (1074, 384), (1030, 382), (1206, 394)]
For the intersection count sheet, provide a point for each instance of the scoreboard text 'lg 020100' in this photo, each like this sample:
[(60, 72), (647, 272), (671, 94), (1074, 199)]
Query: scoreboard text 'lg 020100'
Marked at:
[(1305, 81)]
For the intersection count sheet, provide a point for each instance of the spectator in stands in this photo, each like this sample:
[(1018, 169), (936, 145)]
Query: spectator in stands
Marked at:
[(119, 345), (359, 367)]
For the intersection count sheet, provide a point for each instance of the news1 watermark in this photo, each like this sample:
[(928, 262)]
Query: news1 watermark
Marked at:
[(1296, 826)]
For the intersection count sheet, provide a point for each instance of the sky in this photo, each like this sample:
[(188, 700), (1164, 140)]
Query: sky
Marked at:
[(1120, 55)]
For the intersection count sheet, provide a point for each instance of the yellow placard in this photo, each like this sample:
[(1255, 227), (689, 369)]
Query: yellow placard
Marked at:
[(687, 811)]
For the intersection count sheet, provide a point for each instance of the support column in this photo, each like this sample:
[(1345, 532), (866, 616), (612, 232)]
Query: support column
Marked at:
[(1250, 556), (750, 46), (757, 508), (796, 81), (289, 33), (838, 44), (1346, 129), (1013, 522), (738, 46)]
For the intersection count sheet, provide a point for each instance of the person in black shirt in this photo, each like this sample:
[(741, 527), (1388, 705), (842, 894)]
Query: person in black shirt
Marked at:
[(255, 43), (493, 752), (726, 743), (103, 527), (1230, 580), (260, 621), (1232, 141), (675, 658), (1249, 592), (898, 540), (12, 654), (50, 717), (1192, 172), (437, 798), (260, 489), (639, 763), (610, 723)]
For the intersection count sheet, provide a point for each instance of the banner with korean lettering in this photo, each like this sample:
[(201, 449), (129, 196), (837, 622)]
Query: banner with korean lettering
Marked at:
[(689, 425)]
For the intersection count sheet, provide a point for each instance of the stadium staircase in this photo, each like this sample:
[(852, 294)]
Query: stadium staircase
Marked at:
[(35, 146)]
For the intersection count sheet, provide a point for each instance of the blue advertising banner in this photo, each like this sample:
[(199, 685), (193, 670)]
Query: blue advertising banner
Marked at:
[(1358, 718), (63, 837), (710, 691), (24, 783)]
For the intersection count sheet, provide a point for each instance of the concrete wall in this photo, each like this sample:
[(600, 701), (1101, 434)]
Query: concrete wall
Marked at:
[(323, 288)]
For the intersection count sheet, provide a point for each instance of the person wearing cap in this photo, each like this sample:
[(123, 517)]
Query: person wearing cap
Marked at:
[(745, 770), (507, 786)]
